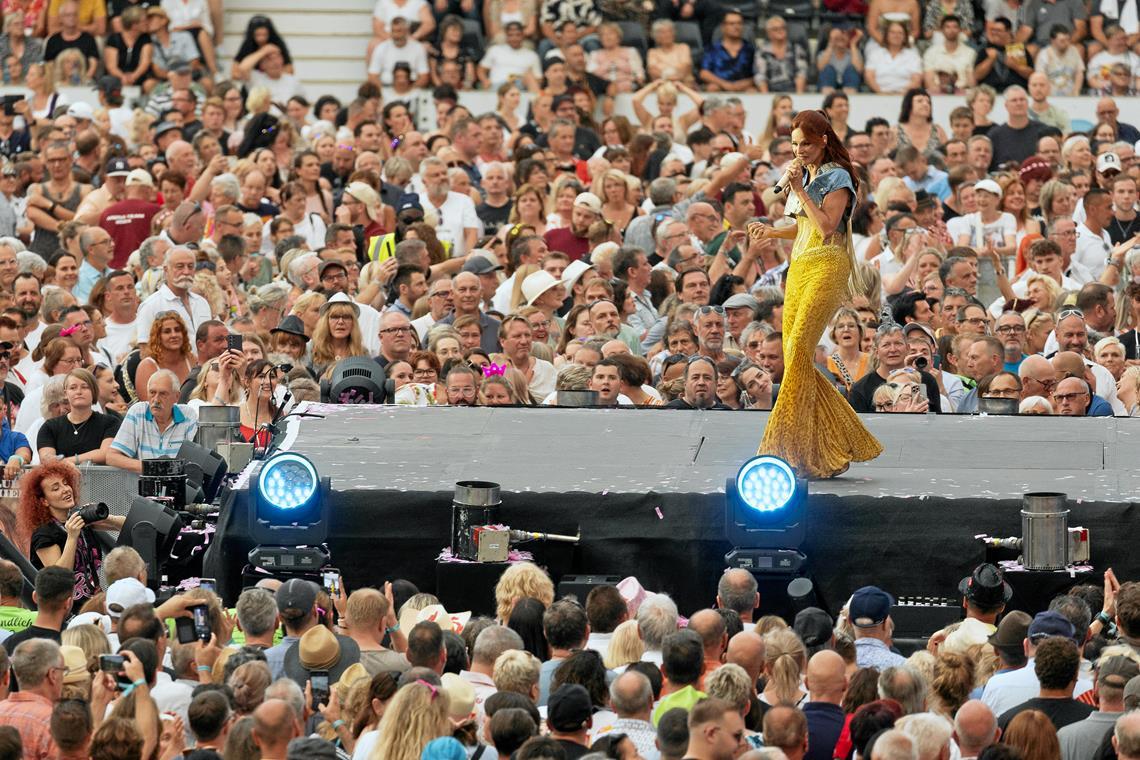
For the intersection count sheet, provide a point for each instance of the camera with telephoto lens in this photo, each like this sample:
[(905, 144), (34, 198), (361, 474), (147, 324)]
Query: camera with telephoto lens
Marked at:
[(93, 513), (921, 363)]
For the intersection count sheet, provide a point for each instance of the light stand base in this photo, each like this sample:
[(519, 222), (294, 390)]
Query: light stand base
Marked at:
[(767, 561), (289, 559), (775, 570)]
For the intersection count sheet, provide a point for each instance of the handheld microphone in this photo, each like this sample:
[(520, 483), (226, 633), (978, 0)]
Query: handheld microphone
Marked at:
[(786, 181)]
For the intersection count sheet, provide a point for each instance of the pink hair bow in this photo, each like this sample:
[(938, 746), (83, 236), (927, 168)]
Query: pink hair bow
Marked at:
[(494, 369)]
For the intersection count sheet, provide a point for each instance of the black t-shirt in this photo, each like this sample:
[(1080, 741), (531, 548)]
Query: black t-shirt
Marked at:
[(1001, 75), (1012, 144), (573, 750), (128, 58), (1061, 711), (1119, 230), (494, 218), (31, 632), (84, 43), (88, 557), (863, 392), (69, 439)]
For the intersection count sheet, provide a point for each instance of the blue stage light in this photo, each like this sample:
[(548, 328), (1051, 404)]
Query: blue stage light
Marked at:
[(288, 481), (766, 484)]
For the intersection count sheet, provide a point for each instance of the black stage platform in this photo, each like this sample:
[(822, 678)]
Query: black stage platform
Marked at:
[(645, 487)]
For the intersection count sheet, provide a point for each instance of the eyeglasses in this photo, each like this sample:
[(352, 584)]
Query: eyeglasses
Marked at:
[(973, 320), (395, 330), (334, 276), (1011, 329), (1002, 393), (711, 309), (1064, 313), (1069, 396)]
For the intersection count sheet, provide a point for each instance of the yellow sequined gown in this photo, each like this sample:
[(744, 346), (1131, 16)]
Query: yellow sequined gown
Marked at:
[(812, 427)]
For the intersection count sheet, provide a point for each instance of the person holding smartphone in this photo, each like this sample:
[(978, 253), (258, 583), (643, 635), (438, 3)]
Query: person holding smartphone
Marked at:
[(260, 380)]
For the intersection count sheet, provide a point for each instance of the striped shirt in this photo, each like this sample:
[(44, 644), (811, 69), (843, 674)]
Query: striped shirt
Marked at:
[(140, 438)]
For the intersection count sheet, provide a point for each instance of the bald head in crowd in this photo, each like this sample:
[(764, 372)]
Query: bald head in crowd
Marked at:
[(826, 678), (746, 649), (786, 728), (274, 726), (975, 728), (709, 625)]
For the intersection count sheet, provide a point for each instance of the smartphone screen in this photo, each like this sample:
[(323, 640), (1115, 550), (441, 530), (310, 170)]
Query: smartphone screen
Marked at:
[(331, 581), (200, 614), (319, 686), (209, 584)]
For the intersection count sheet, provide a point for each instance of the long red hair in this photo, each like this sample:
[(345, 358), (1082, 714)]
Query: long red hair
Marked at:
[(34, 510), (815, 125)]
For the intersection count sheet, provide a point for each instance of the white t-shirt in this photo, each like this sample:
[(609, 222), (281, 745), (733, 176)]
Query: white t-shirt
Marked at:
[(894, 74), (1101, 63), (119, 338), (387, 54), (542, 378), (312, 228), (184, 12), (980, 232), (280, 89), (455, 215), (1092, 249), (505, 62), (387, 10)]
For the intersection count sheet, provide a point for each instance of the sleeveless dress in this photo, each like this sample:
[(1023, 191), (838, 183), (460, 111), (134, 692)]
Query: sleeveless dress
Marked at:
[(812, 427)]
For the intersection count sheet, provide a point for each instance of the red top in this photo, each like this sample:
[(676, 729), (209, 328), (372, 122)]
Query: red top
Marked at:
[(263, 436), (562, 239), (128, 224)]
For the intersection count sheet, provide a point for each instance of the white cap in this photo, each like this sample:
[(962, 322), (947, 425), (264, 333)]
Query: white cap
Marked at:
[(1108, 162), (573, 271), (989, 186), (140, 177), (81, 110), (124, 593), (590, 202)]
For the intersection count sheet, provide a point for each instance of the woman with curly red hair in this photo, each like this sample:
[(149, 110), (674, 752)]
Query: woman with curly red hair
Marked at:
[(57, 534), (169, 348)]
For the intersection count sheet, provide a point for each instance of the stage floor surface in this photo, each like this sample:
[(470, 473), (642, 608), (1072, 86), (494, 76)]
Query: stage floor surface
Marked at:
[(643, 450)]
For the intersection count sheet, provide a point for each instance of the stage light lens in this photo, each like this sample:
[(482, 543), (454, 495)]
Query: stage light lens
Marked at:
[(288, 481), (766, 483)]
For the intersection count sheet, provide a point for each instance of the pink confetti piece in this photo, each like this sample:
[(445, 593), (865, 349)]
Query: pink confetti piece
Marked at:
[(658, 511)]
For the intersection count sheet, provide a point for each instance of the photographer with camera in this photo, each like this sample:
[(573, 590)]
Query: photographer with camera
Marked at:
[(58, 533)]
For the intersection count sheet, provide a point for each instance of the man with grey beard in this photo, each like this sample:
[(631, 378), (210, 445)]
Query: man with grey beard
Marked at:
[(174, 295), (459, 225)]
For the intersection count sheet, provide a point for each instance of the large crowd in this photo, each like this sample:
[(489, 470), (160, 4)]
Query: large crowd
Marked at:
[(202, 231), (296, 671)]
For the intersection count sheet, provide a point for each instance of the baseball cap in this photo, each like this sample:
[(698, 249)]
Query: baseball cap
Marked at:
[(1116, 671), (124, 593), (1108, 162), (1012, 630), (109, 82), (919, 327), (364, 193), (813, 626), (559, 100), (742, 301), (409, 202), (81, 110), (924, 200), (1132, 688), (1049, 623), (139, 177), (117, 167), (569, 708), (326, 265), (589, 201), (479, 263), (989, 186), (869, 607), (296, 597)]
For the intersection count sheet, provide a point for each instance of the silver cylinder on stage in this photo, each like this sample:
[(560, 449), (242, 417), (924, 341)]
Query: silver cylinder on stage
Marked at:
[(1045, 531), (218, 424), (577, 398), (476, 502)]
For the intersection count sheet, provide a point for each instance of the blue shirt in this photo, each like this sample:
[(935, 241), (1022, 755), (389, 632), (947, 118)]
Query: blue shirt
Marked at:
[(872, 653), (1098, 407), (140, 438), (934, 182), (11, 442), (275, 655), (719, 63), (88, 276)]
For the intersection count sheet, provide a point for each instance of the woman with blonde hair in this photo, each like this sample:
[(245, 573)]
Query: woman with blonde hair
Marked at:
[(847, 361), (560, 202), (209, 389), (1109, 353), (518, 581), (1128, 390), (951, 683), (784, 661), (612, 186), (336, 336), (416, 715), (1039, 323), (518, 298), (1013, 201), (91, 639), (779, 121), (167, 348), (307, 308), (981, 101), (625, 647), (1056, 200), (1043, 291)]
